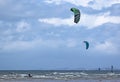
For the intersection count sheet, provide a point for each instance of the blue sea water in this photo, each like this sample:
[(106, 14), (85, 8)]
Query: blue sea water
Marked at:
[(59, 76)]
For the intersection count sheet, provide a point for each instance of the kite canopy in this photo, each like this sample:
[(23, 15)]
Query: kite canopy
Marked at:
[(87, 44), (76, 14)]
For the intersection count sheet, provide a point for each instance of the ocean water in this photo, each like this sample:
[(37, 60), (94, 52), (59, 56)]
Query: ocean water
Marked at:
[(59, 76)]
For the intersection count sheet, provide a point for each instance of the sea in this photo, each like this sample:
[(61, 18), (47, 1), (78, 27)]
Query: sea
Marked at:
[(59, 76)]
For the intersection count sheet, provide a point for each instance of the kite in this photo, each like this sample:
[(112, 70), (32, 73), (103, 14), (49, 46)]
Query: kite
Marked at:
[(87, 44), (76, 14)]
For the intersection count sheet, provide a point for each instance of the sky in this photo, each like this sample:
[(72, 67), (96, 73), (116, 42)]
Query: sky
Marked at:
[(42, 35)]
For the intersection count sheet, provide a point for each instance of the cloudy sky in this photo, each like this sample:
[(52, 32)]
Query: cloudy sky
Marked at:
[(41, 34)]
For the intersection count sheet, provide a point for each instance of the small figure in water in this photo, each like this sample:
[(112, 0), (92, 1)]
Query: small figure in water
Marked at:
[(99, 69), (112, 68), (29, 75)]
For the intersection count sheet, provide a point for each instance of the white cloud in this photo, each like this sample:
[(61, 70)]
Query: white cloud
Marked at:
[(58, 21), (17, 45), (106, 48), (71, 43), (75, 2), (99, 4), (22, 26), (54, 1), (90, 21), (53, 34), (21, 45), (38, 43), (95, 4)]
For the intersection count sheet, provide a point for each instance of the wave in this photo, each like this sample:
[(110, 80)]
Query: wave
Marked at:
[(60, 75)]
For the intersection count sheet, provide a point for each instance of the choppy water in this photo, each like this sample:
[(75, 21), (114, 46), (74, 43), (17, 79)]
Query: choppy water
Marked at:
[(59, 74)]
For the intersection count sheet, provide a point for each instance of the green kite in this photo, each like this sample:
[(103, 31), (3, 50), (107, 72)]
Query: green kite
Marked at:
[(76, 14)]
